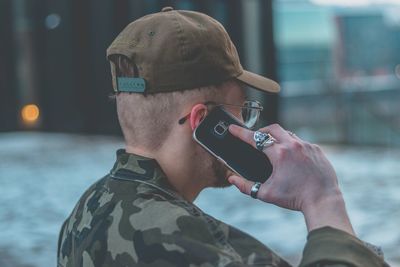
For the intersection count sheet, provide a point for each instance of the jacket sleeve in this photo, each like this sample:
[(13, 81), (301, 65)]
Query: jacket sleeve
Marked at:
[(330, 247)]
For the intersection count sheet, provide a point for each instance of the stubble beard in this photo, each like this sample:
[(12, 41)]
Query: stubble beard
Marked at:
[(220, 172)]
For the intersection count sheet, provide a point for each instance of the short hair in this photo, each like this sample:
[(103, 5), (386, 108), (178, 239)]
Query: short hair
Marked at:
[(146, 120)]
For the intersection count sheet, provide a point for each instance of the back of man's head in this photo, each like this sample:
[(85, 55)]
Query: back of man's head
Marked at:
[(164, 62), (147, 119)]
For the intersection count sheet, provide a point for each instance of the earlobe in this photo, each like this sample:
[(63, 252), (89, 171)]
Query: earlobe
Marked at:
[(198, 113)]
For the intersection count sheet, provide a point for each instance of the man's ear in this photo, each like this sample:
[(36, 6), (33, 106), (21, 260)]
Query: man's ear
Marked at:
[(198, 113)]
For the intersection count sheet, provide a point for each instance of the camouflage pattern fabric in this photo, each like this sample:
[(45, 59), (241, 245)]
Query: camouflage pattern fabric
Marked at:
[(133, 217)]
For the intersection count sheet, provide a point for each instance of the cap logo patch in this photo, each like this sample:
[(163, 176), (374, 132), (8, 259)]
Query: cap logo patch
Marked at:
[(132, 85)]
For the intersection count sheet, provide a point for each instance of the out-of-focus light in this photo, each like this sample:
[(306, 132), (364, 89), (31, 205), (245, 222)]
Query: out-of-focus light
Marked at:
[(30, 113), (52, 21)]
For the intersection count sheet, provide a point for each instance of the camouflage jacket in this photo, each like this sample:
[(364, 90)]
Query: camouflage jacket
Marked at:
[(133, 217)]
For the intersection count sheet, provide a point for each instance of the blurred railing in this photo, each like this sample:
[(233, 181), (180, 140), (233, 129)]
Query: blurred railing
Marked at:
[(363, 111)]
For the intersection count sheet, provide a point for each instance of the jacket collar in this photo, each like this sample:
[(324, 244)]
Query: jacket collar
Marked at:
[(140, 169)]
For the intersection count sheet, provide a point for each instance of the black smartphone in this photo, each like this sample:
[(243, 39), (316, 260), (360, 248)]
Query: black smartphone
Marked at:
[(213, 134)]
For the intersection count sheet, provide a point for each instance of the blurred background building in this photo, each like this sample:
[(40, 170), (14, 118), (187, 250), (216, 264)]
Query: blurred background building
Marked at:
[(339, 68)]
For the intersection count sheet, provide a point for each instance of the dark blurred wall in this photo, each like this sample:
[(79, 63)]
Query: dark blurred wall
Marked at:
[(8, 95), (66, 41)]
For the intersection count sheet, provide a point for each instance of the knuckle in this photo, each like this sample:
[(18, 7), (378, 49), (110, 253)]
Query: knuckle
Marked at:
[(242, 188), (316, 147), (271, 195), (282, 152), (265, 129), (274, 126), (296, 145), (308, 145)]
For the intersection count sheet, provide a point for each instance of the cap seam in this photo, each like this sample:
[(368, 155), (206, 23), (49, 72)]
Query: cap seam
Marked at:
[(180, 36), (173, 87)]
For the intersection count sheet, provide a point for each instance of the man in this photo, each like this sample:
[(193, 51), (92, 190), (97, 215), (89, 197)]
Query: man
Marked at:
[(165, 68)]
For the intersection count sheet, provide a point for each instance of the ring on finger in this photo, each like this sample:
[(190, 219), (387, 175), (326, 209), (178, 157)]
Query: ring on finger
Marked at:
[(254, 190), (263, 140)]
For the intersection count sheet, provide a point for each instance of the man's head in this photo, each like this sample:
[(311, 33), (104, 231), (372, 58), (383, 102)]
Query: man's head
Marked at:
[(165, 66), (150, 122)]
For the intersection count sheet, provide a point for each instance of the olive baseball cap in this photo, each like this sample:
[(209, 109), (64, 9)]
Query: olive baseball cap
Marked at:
[(176, 50)]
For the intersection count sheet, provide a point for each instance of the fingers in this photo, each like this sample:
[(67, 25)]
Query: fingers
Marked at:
[(245, 187), (280, 134), (277, 132), (284, 140), (243, 134), (246, 135), (242, 184)]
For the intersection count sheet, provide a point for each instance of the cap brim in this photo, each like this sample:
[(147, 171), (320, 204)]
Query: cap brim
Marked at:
[(259, 82)]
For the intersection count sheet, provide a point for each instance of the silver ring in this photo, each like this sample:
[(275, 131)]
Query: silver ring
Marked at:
[(263, 140), (254, 190)]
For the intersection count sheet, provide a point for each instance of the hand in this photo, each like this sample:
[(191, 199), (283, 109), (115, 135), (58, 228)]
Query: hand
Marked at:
[(302, 178)]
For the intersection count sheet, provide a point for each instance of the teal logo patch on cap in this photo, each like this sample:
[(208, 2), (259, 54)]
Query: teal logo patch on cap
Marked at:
[(133, 85)]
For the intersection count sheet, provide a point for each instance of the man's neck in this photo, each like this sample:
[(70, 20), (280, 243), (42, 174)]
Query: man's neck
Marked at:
[(139, 151), (178, 176)]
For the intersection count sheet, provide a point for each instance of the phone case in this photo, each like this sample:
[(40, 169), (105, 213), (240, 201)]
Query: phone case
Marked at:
[(213, 134)]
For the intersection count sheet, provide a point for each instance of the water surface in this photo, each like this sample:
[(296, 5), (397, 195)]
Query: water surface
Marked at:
[(42, 175)]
